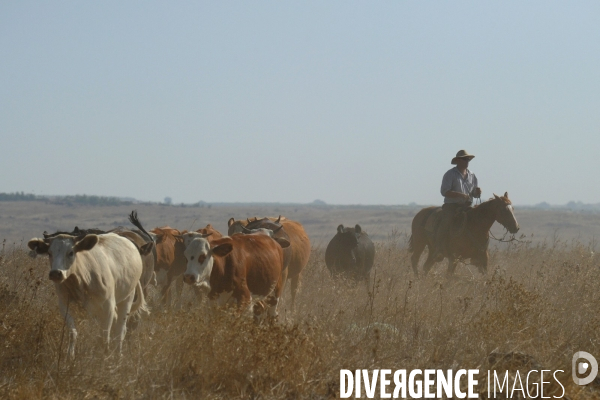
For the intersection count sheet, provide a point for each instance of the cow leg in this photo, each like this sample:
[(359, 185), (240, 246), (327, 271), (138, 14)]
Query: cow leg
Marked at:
[(283, 276), (123, 309), (107, 317), (165, 292), (178, 291), (243, 297), (295, 285), (272, 300), (70, 325)]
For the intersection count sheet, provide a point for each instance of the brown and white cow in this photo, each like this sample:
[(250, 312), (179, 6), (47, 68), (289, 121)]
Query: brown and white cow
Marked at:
[(295, 257), (101, 273), (239, 268), (170, 247)]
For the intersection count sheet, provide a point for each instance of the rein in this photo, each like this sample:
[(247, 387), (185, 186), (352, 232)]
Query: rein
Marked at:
[(503, 239)]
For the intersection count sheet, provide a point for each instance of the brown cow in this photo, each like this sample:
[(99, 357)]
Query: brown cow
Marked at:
[(170, 247), (207, 232), (238, 267), (295, 257), (234, 227)]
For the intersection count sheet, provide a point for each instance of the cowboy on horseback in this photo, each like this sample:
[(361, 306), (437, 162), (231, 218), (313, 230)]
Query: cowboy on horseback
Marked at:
[(459, 188)]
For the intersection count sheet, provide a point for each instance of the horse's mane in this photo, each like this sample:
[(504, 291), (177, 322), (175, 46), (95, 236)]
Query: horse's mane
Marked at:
[(491, 200)]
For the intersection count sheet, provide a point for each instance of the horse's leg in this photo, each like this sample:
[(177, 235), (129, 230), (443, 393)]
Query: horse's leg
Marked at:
[(483, 263), (451, 266), (429, 262), (418, 247)]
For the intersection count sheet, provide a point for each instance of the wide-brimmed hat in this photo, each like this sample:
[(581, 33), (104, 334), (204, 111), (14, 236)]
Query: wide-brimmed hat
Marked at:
[(462, 154)]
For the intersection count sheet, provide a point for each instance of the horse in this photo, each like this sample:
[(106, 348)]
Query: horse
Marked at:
[(471, 241)]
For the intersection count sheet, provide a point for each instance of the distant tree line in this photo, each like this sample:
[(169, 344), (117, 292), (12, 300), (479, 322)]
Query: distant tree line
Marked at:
[(17, 196), (81, 199)]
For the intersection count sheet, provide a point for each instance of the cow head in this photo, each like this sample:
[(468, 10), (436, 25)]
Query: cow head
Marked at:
[(62, 250), (282, 240), (348, 243), (267, 225), (200, 260), (234, 227), (189, 236)]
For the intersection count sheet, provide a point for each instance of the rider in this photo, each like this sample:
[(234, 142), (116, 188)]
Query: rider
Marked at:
[(459, 187)]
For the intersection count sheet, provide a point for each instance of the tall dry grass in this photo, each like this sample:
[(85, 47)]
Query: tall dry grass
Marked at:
[(542, 301)]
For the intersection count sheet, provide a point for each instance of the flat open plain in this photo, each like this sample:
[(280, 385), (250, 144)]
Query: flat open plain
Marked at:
[(24, 220)]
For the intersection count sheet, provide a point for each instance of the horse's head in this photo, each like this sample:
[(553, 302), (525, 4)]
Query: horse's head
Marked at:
[(506, 213)]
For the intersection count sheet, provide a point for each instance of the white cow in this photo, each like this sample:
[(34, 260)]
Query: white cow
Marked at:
[(100, 272)]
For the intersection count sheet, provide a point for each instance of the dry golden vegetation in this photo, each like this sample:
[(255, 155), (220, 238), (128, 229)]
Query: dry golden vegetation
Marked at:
[(539, 300)]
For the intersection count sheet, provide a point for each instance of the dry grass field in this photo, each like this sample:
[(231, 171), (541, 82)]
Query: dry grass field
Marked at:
[(540, 298)]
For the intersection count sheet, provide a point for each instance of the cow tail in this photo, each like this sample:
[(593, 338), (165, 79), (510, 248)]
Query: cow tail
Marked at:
[(140, 305), (133, 218)]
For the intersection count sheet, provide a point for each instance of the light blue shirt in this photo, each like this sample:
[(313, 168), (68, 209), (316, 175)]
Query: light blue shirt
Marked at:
[(453, 181)]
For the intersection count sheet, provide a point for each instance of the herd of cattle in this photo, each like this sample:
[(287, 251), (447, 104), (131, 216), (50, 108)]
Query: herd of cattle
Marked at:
[(109, 272)]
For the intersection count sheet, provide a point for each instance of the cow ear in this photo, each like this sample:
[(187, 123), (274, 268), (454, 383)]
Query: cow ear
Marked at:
[(278, 219), (230, 222), (340, 228), (283, 242), (209, 226), (87, 243), (496, 196), (506, 194), (222, 250), (38, 245), (357, 229)]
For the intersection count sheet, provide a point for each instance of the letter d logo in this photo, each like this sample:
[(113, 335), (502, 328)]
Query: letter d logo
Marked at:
[(583, 367)]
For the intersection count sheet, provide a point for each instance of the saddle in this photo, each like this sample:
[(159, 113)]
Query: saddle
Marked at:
[(432, 223), (458, 222)]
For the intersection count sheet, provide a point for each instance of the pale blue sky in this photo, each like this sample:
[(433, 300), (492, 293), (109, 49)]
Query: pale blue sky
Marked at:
[(348, 102)]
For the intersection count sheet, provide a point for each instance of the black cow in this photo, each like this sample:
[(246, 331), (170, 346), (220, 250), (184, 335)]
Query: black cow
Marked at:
[(351, 252)]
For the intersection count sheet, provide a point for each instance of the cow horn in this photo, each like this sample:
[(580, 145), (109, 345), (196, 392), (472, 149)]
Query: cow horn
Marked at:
[(506, 194), (248, 219), (496, 196), (278, 219)]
